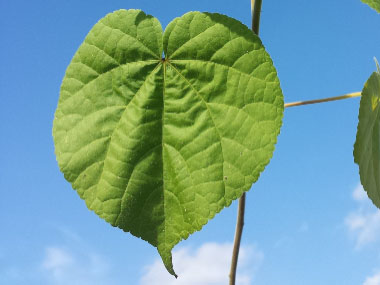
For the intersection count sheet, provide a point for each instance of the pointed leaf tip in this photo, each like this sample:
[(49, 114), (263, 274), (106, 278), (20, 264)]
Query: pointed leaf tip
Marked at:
[(167, 258)]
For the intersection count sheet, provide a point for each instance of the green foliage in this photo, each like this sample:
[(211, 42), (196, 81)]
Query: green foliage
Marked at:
[(374, 4), (157, 146), (367, 145)]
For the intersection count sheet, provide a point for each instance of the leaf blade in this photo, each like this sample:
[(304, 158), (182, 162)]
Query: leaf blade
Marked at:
[(374, 4), (367, 144), (203, 50), (106, 105), (158, 146)]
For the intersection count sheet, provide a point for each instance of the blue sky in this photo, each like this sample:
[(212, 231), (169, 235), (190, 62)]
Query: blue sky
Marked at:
[(307, 221)]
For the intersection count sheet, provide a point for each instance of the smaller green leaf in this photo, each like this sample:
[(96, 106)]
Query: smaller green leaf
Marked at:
[(374, 4), (367, 145)]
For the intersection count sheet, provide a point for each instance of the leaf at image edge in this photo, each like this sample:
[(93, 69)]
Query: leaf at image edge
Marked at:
[(367, 144), (374, 4)]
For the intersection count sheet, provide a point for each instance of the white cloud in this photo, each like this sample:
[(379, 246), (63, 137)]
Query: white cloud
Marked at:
[(71, 262), (207, 265), (61, 266), (56, 261), (359, 194), (373, 280), (364, 222)]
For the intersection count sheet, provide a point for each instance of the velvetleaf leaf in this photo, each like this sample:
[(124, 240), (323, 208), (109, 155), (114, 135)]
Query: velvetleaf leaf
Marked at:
[(157, 146), (374, 4), (367, 144)]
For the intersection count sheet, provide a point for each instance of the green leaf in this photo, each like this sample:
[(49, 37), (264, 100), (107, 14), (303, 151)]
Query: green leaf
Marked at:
[(374, 4), (157, 146), (367, 145)]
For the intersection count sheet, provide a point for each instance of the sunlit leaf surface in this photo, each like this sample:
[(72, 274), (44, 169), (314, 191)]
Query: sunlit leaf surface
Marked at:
[(158, 145)]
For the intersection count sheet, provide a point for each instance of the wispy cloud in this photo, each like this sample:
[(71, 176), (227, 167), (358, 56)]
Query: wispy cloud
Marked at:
[(373, 280), (359, 194), (69, 261), (62, 266), (207, 265), (363, 223), (56, 261)]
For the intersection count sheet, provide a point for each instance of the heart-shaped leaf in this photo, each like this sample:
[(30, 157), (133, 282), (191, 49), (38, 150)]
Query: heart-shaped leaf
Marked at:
[(367, 144), (157, 146), (374, 4)]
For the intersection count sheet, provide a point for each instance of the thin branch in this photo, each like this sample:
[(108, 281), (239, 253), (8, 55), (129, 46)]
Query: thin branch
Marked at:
[(316, 101), (241, 206), (256, 10), (238, 234)]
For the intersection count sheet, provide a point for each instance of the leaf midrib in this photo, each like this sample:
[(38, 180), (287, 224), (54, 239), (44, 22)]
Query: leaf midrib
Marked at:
[(212, 119)]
